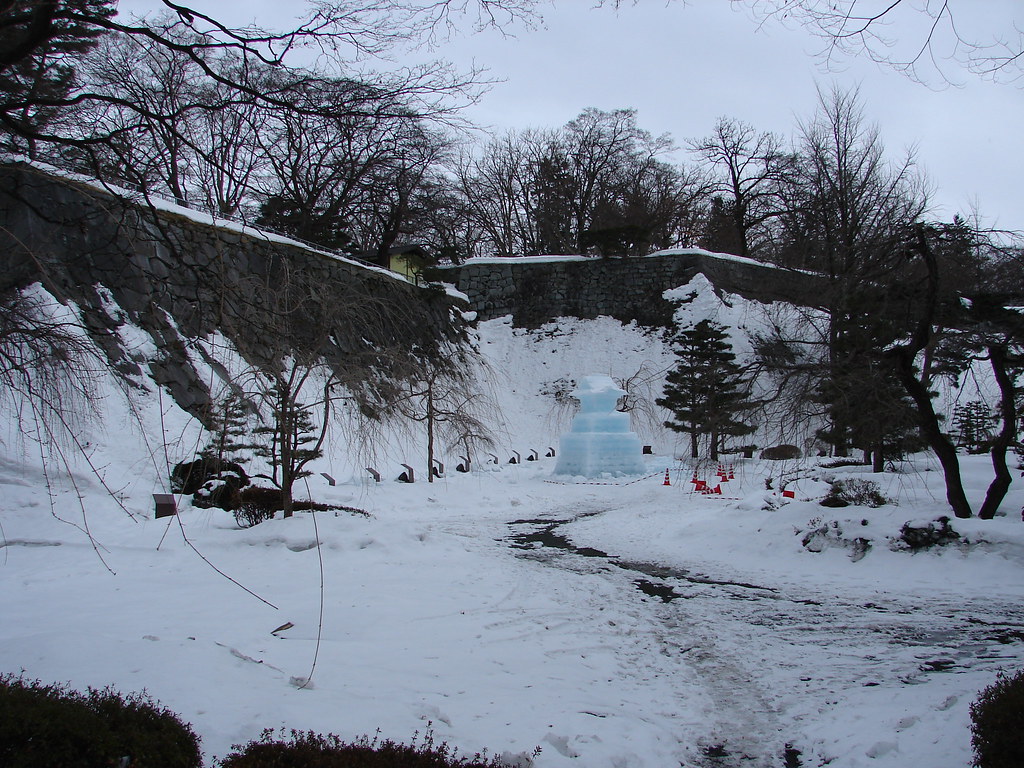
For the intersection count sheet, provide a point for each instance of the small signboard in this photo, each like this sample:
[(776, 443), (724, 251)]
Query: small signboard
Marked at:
[(166, 505)]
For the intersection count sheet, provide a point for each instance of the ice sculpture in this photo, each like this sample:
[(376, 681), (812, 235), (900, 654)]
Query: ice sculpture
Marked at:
[(599, 441)]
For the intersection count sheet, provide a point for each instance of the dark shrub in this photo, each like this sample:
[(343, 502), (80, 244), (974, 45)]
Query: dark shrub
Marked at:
[(50, 725), (220, 492), (837, 463), (834, 501), (937, 533), (997, 724), (190, 476), (852, 490), (781, 453), (257, 504), (314, 750)]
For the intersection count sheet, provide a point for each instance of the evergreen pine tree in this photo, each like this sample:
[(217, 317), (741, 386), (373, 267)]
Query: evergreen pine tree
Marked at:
[(228, 430), (720, 234), (706, 391), (290, 441), (973, 423)]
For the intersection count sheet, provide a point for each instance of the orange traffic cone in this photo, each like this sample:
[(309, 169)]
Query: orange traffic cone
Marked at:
[(666, 479)]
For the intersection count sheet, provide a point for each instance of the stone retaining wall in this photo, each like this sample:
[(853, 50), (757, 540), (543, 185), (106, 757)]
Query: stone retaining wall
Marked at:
[(534, 291), (178, 279)]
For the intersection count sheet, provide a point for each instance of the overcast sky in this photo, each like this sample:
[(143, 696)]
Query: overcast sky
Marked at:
[(682, 65)]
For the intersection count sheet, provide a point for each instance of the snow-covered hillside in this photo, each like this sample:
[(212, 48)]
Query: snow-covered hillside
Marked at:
[(631, 624)]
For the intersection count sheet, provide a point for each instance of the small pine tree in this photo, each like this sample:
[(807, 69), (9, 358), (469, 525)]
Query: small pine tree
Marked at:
[(973, 424), (290, 441), (706, 391), (229, 429)]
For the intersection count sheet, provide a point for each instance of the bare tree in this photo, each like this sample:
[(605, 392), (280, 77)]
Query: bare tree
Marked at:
[(848, 214), (37, 65), (154, 148), (398, 191), (48, 369), (318, 163), (600, 184), (441, 391), (323, 345), (498, 187), (599, 149), (848, 207), (229, 161), (339, 32), (751, 169), (920, 39)]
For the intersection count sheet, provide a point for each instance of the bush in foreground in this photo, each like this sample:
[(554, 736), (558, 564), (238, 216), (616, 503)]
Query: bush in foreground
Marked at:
[(314, 750), (997, 724), (50, 725)]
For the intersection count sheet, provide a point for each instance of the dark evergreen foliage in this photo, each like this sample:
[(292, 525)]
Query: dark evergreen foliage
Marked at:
[(707, 391), (865, 404), (325, 227), (720, 233), (41, 42), (314, 750), (229, 429), (997, 723), (289, 440), (972, 423), (51, 725), (855, 491)]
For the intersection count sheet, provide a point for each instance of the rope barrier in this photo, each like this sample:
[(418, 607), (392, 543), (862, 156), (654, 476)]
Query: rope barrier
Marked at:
[(595, 482)]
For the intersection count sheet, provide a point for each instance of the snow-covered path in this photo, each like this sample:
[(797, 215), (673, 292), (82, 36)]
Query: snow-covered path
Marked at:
[(612, 626), (786, 668), (736, 710)]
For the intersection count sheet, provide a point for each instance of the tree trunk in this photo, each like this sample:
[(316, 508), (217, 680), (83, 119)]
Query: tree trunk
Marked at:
[(878, 459), (693, 445), (928, 423), (1008, 410), (430, 434), (287, 429), (287, 502), (714, 446)]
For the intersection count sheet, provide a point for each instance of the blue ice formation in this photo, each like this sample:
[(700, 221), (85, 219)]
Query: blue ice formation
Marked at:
[(599, 441)]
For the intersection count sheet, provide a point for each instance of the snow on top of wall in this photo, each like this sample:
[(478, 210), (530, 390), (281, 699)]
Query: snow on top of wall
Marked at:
[(200, 217), (553, 258), (711, 254), (523, 259)]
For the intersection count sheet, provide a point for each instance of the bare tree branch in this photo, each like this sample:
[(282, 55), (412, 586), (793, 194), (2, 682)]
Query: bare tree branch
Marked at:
[(927, 40)]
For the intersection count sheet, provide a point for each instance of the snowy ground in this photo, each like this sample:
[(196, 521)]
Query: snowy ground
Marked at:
[(621, 625), (437, 610)]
